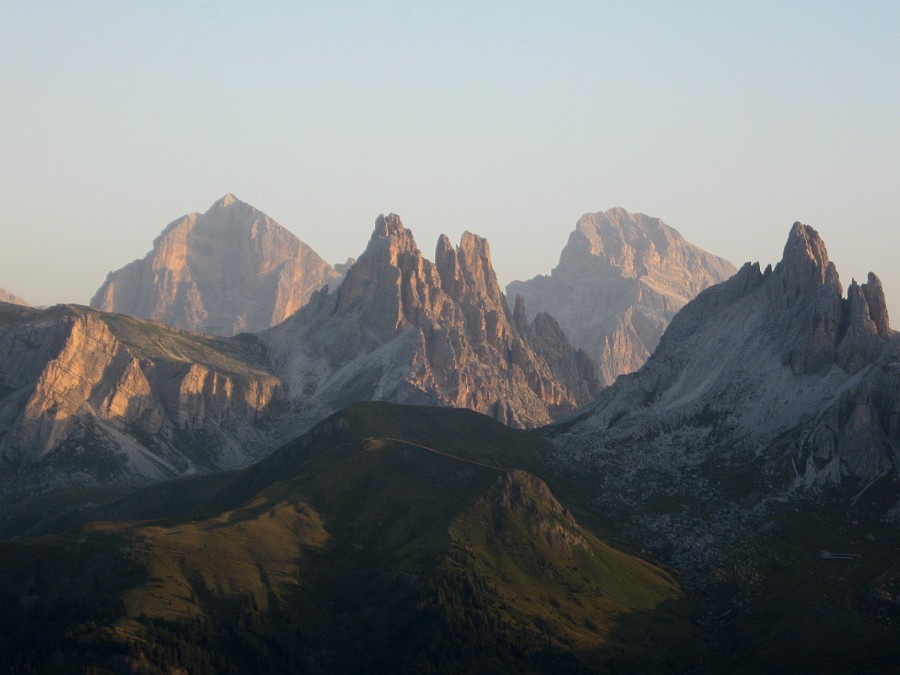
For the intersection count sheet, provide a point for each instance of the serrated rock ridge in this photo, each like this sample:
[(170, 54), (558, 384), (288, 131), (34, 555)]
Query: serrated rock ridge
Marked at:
[(764, 355), (768, 393), (405, 329)]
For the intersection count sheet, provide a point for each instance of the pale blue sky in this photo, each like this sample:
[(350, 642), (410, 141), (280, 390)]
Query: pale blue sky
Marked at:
[(728, 120)]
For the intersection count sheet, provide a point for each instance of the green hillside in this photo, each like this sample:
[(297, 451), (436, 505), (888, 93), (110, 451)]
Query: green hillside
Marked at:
[(387, 539)]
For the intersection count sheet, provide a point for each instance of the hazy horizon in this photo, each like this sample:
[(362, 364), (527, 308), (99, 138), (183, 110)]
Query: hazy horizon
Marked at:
[(727, 121)]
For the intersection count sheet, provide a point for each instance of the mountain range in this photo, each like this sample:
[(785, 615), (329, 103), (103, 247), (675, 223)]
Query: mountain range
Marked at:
[(733, 505), (93, 398), (773, 364), (402, 328), (620, 280)]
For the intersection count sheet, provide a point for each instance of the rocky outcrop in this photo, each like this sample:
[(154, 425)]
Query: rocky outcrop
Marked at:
[(771, 404), (620, 280), (767, 386), (770, 353), (405, 329), (90, 398), (532, 502), (229, 270), (95, 398), (12, 298)]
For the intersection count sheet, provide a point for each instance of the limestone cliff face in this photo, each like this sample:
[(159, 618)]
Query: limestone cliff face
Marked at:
[(94, 398), (773, 371), (620, 279), (12, 298), (88, 398), (405, 329), (229, 270)]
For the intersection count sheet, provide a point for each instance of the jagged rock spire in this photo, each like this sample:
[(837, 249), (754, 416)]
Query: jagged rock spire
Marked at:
[(864, 323), (878, 311), (804, 263), (436, 332), (817, 327), (771, 380)]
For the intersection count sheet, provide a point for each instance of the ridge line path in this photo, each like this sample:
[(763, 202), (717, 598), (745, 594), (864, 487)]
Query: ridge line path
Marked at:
[(441, 453)]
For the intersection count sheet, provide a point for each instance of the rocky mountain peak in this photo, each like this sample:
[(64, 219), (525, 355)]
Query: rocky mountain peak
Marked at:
[(405, 329), (475, 261), (466, 272), (864, 326), (878, 312), (813, 321), (390, 240), (231, 213), (231, 269), (769, 393), (804, 243), (775, 355), (620, 279), (804, 264), (475, 247), (447, 264), (12, 298), (88, 397), (392, 284), (387, 283), (628, 241), (224, 202), (390, 226)]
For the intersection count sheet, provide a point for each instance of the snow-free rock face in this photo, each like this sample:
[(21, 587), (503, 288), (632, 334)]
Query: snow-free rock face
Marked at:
[(768, 387), (95, 398), (12, 298), (770, 353), (229, 270), (90, 398), (620, 279), (404, 329)]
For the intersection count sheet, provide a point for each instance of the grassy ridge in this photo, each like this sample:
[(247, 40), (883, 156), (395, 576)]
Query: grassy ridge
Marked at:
[(388, 538), (243, 354)]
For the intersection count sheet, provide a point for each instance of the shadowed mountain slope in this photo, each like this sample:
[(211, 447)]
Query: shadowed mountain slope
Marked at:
[(781, 365), (764, 431), (387, 539)]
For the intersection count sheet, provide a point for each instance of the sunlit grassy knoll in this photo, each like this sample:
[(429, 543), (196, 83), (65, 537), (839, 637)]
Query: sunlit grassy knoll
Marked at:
[(230, 556)]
